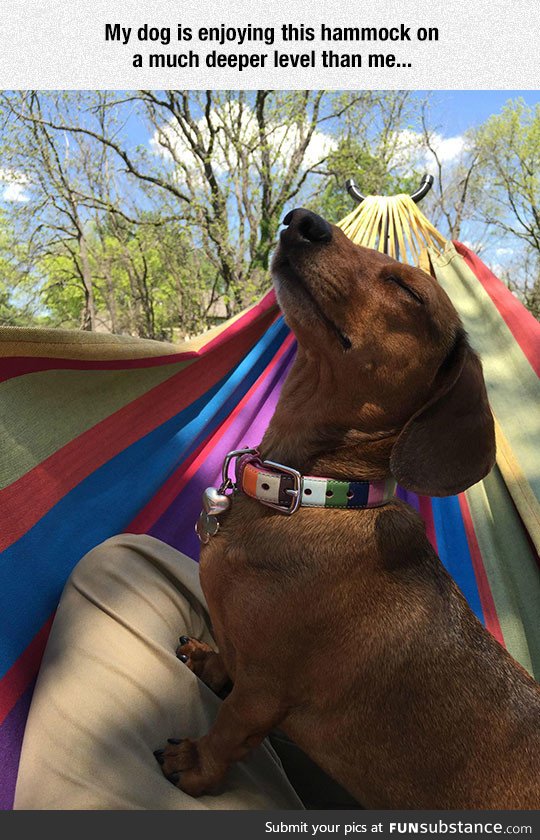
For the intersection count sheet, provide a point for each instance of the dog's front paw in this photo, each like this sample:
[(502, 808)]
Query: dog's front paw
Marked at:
[(184, 765), (203, 661)]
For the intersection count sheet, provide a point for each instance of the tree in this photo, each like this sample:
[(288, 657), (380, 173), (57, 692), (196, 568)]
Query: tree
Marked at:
[(231, 162), (152, 281), (509, 149), (54, 217), (15, 302), (114, 229), (352, 159), (458, 180), (86, 228), (522, 276)]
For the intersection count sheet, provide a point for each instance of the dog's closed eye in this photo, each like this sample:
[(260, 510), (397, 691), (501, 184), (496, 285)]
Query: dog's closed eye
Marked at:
[(412, 293)]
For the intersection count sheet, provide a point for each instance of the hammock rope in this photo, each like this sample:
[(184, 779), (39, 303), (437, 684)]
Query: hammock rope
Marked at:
[(394, 224)]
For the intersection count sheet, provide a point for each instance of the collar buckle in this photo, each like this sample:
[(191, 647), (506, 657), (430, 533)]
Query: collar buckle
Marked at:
[(295, 492)]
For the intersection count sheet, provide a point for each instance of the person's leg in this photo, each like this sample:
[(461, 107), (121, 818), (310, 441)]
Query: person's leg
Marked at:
[(111, 691)]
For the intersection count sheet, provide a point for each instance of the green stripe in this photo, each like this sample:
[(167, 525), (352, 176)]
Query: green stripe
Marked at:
[(511, 568), (339, 491), (41, 412)]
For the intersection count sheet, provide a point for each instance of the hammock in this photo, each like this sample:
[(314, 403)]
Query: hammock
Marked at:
[(103, 434)]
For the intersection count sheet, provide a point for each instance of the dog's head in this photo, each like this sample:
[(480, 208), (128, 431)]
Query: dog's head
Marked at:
[(394, 352)]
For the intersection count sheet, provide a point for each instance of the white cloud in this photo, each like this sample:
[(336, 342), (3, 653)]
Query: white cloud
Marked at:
[(504, 252), (283, 139), (14, 185), (448, 148), (14, 192), (410, 148)]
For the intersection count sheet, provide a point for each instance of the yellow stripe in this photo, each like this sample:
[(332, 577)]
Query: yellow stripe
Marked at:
[(79, 344), (522, 493), (72, 344)]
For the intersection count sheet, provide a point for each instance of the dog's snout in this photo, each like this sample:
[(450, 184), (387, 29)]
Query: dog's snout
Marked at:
[(307, 226)]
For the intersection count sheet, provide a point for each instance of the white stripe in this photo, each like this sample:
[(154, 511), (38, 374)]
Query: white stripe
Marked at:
[(318, 491), (272, 482)]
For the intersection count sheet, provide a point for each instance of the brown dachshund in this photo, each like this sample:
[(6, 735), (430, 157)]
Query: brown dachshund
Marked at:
[(341, 625)]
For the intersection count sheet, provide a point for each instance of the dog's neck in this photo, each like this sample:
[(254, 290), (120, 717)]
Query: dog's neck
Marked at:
[(365, 461), (300, 436)]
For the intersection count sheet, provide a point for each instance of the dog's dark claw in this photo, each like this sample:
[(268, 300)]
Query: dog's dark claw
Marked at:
[(183, 657), (184, 640), (174, 778), (174, 741)]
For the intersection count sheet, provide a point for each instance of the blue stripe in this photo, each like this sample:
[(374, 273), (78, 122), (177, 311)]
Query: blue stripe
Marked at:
[(360, 489), (34, 569), (453, 549)]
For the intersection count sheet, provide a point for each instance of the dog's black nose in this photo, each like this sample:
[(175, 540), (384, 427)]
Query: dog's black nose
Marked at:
[(307, 226)]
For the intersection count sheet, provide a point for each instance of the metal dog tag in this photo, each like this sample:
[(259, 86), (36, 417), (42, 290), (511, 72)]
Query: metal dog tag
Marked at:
[(214, 503), (207, 526)]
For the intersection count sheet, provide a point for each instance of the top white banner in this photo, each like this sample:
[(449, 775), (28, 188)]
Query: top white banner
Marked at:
[(287, 44)]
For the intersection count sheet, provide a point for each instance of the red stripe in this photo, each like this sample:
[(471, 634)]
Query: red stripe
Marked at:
[(15, 682), (524, 327), (170, 490), (484, 591), (426, 512), (12, 366), (25, 501)]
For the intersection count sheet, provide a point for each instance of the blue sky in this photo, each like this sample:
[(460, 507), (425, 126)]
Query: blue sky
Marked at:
[(454, 111)]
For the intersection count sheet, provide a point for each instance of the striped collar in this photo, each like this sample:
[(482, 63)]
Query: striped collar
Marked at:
[(285, 489)]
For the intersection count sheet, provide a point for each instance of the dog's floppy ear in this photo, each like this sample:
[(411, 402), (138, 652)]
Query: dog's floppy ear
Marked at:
[(449, 443)]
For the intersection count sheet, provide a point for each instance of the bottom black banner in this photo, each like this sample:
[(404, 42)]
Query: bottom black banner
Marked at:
[(257, 825)]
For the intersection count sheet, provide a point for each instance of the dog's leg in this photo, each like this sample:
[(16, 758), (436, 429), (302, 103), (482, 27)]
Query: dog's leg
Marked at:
[(205, 663), (245, 718)]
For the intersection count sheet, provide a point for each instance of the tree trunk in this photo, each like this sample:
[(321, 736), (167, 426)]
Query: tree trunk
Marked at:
[(111, 299), (89, 312)]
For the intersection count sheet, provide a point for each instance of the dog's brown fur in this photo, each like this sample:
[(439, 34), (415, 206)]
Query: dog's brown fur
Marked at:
[(342, 626)]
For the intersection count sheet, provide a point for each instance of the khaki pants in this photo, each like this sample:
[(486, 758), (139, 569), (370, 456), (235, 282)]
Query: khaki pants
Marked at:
[(111, 690)]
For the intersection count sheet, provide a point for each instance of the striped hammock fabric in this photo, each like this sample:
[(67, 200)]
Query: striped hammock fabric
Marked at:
[(103, 434)]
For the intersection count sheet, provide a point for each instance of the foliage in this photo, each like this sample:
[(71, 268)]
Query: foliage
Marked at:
[(371, 175), (509, 148), (14, 309), (154, 213)]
